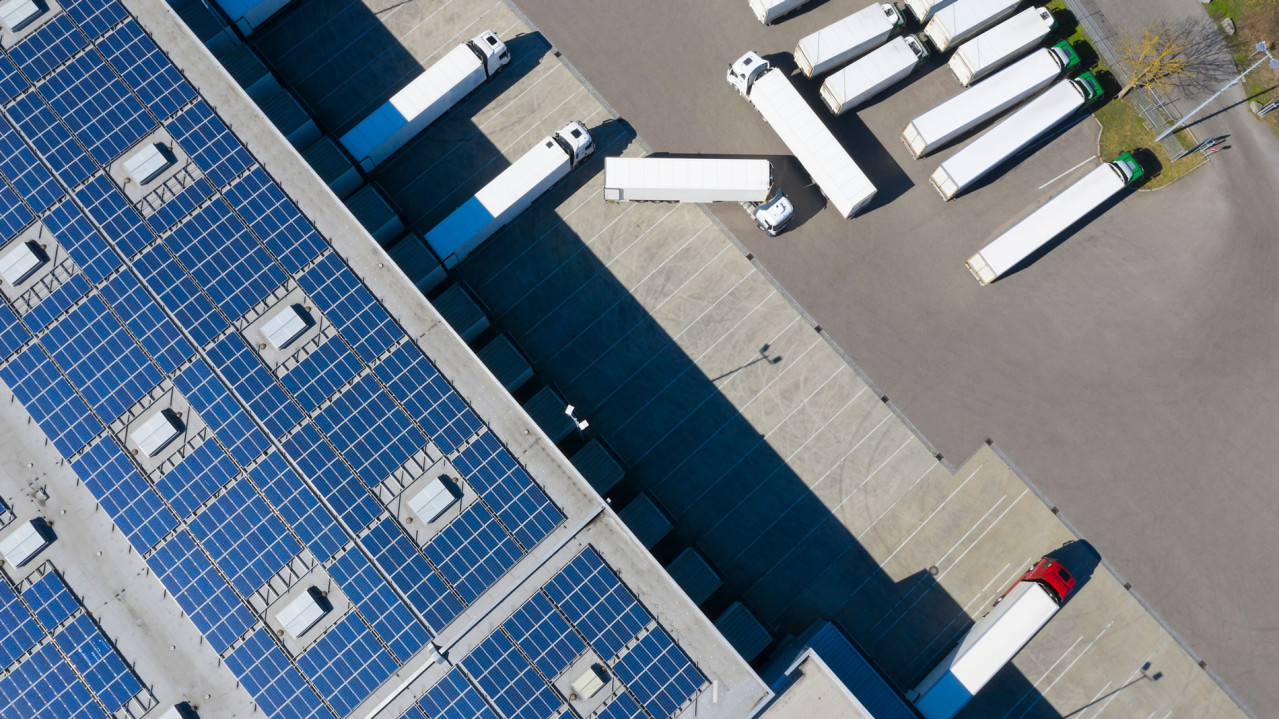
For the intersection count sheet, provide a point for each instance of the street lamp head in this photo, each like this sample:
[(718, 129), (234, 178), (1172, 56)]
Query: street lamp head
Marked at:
[(1274, 64), (1261, 46)]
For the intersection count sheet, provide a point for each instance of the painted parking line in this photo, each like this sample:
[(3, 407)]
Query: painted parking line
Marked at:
[(1067, 172), (1039, 696)]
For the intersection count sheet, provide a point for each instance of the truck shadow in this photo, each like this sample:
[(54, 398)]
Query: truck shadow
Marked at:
[(776, 545), (857, 140)]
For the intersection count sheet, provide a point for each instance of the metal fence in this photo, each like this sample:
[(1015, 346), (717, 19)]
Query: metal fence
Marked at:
[(1159, 113)]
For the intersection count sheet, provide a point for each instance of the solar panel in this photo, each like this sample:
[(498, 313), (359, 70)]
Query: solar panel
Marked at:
[(13, 214), (368, 430), (299, 506), (208, 140), (521, 506), (11, 81), (58, 301), (94, 16), (347, 664), (273, 682), (389, 618), (225, 261), (275, 220), (53, 141), (596, 602), (623, 706), (46, 48), (210, 398), (659, 674), (427, 396), (317, 377), (544, 636), (178, 294), (100, 359), (146, 70), (50, 600), (12, 333), (509, 680), (257, 387), (159, 337), (29, 178), (396, 556), (349, 305), (61, 414), (472, 552), (453, 697), (317, 460), (97, 107), (18, 630), (201, 592), (97, 662), (244, 539), (46, 687), (88, 248), (179, 205), (134, 506), (196, 478)]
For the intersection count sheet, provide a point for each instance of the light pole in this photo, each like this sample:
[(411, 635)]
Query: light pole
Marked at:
[(1261, 47)]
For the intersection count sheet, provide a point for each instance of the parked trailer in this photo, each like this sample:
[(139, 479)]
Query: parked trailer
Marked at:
[(510, 193), (923, 10), (698, 179), (988, 99), (957, 22), (847, 39), (771, 92), (1001, 44), (1054, 217), (1014, 133), (873, 74), (770, 11), (993, 640), (426, 98)]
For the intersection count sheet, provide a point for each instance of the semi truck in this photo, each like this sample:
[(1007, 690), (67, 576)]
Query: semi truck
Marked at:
[(963, 19), (847, 39), (1001, 44), (993, 640), (700, 179), (770, 11), (923, 10), (1054, 217), (833, 171), (426, 98), (871, 75), (510, 193), (1013, 134), (988, 99)]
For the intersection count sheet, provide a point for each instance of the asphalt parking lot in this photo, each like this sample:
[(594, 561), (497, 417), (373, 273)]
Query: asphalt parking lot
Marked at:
[(794, 478)]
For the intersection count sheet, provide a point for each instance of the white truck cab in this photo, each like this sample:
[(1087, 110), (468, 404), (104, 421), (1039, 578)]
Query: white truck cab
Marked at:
[(491, 51), (743, 73), (772, 216), (576, 142)]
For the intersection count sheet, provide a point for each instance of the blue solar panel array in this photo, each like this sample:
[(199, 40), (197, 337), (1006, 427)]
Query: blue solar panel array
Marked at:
[(286, 465), (55, 663)]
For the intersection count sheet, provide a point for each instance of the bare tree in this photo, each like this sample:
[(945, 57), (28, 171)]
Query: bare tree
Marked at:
[(1185, 55)]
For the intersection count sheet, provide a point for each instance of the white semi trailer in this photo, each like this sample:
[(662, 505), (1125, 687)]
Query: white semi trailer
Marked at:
[(993, 640), (847, 39), (1013, 134), (1001, 44), (700, 179), (1054, 217), (988, 99), (771, 92), (770, 11), (963, 19), (510, 193), (871, 75), (426, 98)]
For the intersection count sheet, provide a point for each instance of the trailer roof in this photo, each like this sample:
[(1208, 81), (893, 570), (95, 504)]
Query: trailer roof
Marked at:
[(871, 70), (1006, 37), (962, 15), (829, 164), (864, 25), (1000, 89), (748, 175)]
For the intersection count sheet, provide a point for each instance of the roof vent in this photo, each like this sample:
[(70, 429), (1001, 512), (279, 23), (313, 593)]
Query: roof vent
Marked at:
[(145, 164), (157, 432), (286, 326), (305, 612), (431, 502), (17, 14), (590, 683), (19, 263), (24, 543)]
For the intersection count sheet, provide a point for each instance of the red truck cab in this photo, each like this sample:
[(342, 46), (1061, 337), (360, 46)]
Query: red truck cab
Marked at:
[(1051, 575)]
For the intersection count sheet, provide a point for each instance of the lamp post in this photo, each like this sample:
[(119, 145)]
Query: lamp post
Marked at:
[(1261, 47)]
